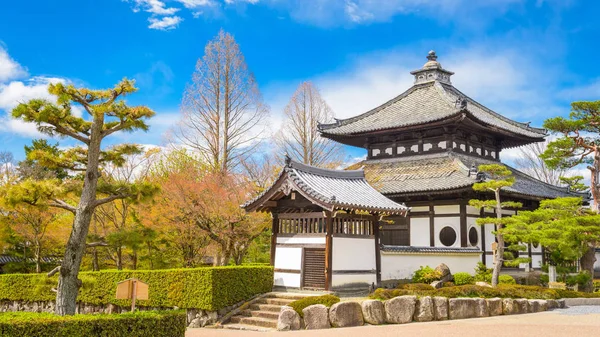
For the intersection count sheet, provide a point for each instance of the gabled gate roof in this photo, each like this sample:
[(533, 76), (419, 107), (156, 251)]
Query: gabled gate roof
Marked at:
[(328, 189)]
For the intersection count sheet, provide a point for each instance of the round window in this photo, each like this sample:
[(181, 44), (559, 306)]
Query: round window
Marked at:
[(473, 236), (447, 236)]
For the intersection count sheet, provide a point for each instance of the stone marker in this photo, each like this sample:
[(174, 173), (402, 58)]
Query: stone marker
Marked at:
[(445, 271), (344, 314), (288, 319), (373, 312), (316, 317), (494, 306), (424, 309), (440, 308), (460, 308), (400, 309)]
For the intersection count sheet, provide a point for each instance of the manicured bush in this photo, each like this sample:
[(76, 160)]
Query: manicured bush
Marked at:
[(209, 288), (326, 300), (426, 274), (483, 273), (506, 279), (137, 324), (415, 286), (463, 278)]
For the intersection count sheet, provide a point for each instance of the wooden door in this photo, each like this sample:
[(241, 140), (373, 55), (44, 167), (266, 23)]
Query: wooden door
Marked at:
[(313, 268)]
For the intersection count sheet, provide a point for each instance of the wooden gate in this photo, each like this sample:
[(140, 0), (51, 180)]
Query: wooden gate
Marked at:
[(313, 269)]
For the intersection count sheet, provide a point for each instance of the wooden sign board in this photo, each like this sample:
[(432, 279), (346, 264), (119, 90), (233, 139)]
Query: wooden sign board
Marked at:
[(125, 290)]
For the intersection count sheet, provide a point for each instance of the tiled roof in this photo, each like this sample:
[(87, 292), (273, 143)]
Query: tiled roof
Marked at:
[(432, 250), (426, 102), (4, 259), (330, 189), (445, 171)]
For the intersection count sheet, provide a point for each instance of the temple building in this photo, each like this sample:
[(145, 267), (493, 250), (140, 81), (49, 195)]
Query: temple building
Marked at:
[(423, 150)]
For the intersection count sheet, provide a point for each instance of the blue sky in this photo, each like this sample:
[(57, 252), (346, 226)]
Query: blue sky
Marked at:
[(526, 59)]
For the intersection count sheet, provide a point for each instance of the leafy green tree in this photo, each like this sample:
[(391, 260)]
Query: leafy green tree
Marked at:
[(574, 183), (563, 227), (106, 113), (495, 177)]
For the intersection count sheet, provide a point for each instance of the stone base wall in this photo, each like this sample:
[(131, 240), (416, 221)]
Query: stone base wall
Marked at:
[(406, 309)]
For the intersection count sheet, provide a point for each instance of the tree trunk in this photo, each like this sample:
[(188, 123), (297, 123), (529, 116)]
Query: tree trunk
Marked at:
[(38, 266), (134, 258), (68, 283), (500, 247), (119, 258), (587, 263), (95, 266)]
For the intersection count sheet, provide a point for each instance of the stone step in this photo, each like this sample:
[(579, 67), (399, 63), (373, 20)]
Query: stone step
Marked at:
[(275, 301), (256, 321), (259, 313), (246, 327), (266, 307), (291, 296)]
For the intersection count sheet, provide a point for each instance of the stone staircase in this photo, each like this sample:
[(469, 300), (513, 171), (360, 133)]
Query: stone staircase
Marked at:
[(262, 314)]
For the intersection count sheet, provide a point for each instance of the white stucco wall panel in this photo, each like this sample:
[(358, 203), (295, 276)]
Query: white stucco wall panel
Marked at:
[(301, 240), (288, 258), (473, 210), (397, 266), (447, 209), (286, 280), (347, 279), (419, 231), (353, 254)]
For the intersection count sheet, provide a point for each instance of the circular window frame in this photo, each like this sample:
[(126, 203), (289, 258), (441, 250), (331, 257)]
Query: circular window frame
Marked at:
[(470, 236), (442, 240)]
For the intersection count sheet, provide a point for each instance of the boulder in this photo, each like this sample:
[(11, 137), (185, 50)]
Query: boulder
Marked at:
[(213, 315), (198, 322), (343, 314), (373, 312), (509, 306), (481, 307), (316, 317), (552, 304), (522, 306), (288, 319), (494, 306), (437, 284), (400, 309), (440, 308), (459, 308), (445, 271), (562, 303), (483, 284), (537, 305), (424, 309)]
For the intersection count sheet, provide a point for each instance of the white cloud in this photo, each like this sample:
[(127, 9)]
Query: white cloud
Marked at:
[(155, 7), (9, 68), (191, 4), (164, 23)]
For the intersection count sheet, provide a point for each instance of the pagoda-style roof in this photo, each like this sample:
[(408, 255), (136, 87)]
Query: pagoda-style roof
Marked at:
[(432, 100), (447, 172), (329, 189)]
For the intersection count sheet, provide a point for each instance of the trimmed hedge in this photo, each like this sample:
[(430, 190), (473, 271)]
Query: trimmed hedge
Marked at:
[(326, 300), (138, 324), (463, 278), (503, 290), (210, 288)]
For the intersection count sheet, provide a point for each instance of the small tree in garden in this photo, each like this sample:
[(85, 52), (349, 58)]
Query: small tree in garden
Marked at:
[(82, 193), (495, 178), (562, 226)]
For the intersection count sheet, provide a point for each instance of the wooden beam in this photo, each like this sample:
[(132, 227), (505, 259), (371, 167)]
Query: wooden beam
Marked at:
[(328, 250), (431, 225), (483, 248), (463, 225), (377, 249), (274, 232)]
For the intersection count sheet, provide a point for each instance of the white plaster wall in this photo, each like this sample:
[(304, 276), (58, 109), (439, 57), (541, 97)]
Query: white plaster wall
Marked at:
[(447, 209), (420, 209), (508, 211), (597, 264), (473, 210), (353, 254), (440, 223), (288, 258), (286, 280), (472, 223), (419, 231), (536, 261), (344, 279), (302, 240), (397, 267)]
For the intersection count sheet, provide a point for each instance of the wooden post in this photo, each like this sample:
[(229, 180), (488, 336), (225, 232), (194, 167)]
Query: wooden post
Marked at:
[(377, 249), (133, 293), (483, 247), (463, 224), (274, 232), (328, 250)]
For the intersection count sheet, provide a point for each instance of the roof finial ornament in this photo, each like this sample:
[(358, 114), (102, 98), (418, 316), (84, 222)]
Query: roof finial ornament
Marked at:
[(332, 199), (431, 56), (473, 170), (461, 102), (288, 160)]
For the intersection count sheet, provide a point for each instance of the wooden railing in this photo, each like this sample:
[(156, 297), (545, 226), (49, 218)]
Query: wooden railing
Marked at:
[(316, 223)]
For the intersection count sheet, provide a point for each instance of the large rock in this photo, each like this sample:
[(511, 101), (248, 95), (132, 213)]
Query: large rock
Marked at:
[(373, 312), (288, 319), (481, 309), (400, 309), (437, 284), (552, 304), (345, 314), (537, 305), (440, 308), (522, 306), (460, 308), (483, 284), (424, 309), (316, 317), (494, 306), (562, 303), (445, 271)]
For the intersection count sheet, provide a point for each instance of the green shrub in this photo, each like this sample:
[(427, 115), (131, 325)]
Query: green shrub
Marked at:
[(326, 300), (506, 279), (483, 273), (138, 324), (448, 284), (426, 274), (415, 286), (580, 279), (210, 288), (463, 278)]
